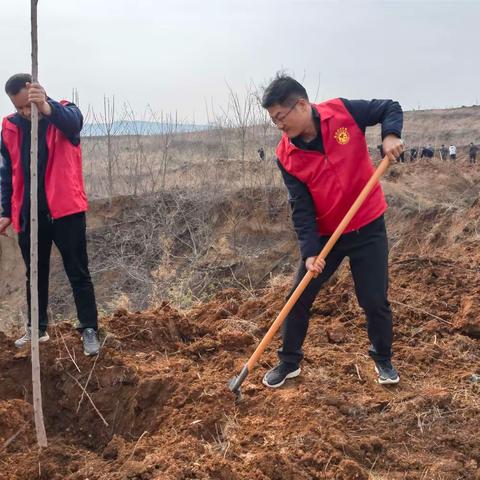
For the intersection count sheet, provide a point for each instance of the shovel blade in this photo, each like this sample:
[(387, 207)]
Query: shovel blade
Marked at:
[(236, 382)]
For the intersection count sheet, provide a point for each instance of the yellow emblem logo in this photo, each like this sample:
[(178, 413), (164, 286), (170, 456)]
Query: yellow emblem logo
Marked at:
[(342, 136)]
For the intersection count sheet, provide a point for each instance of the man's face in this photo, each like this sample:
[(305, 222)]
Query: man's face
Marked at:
[(291, 119), (21, 103)]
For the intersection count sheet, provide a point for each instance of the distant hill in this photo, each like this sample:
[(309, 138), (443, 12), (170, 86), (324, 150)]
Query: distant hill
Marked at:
[(459, 126), (138, 128)]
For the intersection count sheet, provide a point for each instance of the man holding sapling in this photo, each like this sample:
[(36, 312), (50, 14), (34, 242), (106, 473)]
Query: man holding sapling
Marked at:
[(324, 161), (62, 202)]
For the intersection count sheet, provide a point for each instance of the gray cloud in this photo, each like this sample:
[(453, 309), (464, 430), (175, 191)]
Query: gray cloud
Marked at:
[(176, 55)]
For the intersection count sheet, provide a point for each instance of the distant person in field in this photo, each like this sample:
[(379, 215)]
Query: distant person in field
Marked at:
[(62, 202), (452, 150), (324, 161), (380, 151), (472, 153), (443, 152), (261, 153), (413, 154), (427, 152)]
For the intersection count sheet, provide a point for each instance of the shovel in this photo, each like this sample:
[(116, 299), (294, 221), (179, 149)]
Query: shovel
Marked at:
[(235, 383)]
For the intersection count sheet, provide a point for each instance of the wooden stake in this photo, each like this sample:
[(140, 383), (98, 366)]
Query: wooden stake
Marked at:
[(36, 379)]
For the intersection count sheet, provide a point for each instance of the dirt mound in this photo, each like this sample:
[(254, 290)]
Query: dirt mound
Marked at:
[(468, 320), (158, 406)]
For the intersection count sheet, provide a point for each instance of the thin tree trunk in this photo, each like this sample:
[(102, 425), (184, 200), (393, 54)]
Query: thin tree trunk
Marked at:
[(36, 379), (110, 167)]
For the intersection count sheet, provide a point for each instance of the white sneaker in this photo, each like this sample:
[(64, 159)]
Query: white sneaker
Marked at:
[(22, 341)]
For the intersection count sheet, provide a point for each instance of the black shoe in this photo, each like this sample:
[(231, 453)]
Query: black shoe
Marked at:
[(276, 377), (91, 345), (387, 374)]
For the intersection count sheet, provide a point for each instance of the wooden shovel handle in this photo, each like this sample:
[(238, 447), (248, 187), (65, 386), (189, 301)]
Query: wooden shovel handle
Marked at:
[(381, 169)]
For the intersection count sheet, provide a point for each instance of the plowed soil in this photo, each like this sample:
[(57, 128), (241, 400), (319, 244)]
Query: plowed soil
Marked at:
[(158, 406)]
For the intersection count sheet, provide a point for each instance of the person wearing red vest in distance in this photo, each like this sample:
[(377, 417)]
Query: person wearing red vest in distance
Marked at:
[(62, 202), (324, 161)]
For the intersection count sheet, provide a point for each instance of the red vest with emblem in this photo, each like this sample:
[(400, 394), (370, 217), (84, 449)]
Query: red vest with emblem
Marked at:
[(336, 177), (63, 178)]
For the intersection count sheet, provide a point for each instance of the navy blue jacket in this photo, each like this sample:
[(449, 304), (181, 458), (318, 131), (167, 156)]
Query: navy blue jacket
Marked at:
[(365, 113), (69, 120)]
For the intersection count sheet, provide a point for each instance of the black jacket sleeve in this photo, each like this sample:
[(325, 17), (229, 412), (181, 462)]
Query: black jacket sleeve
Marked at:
[(367, 113), (68, 119), (303, 214), (5, 182)]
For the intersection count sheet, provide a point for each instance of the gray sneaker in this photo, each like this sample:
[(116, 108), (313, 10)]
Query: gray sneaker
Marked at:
[(22, 341), (91, 345), (276, 377), (387, 374)]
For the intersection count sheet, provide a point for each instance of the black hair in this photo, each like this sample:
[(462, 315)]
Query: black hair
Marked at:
[(283, 90), (16, 82)]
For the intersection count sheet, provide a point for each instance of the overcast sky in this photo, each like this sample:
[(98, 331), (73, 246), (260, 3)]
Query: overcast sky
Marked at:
[(179, 54)]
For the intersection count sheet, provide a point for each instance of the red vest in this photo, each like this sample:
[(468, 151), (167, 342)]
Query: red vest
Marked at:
[(63, 178), (336, 177)]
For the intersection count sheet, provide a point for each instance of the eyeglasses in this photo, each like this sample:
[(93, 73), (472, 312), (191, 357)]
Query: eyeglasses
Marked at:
[(280, 119)]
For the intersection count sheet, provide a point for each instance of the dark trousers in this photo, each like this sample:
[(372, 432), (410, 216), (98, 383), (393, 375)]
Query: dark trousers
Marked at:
[(69, 235), (367, 250)]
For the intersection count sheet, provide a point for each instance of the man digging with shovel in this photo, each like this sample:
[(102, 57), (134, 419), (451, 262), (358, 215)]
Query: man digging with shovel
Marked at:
[(324, 161)]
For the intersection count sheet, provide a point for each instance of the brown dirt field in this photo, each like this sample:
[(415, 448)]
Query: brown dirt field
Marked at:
[(159, 406), (160, 384)]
